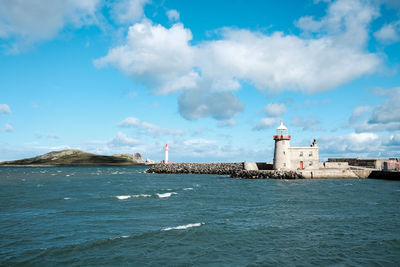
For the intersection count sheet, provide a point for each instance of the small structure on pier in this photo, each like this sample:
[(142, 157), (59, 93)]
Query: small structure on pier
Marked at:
[(293, 158), (166, 148)]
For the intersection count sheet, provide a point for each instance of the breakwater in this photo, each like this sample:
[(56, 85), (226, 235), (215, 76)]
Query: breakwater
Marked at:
[(235, 170), (197, 168)]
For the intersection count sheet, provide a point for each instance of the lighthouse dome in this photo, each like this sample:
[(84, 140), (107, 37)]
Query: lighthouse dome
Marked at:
[(282, 127)]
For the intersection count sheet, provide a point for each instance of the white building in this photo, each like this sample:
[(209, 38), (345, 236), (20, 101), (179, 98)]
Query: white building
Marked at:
[(293, 158)]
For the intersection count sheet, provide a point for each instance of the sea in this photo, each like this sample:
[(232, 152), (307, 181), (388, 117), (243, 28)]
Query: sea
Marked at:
[(122, 216)]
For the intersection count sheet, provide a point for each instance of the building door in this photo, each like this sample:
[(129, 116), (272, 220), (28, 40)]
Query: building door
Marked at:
[(301, 165)]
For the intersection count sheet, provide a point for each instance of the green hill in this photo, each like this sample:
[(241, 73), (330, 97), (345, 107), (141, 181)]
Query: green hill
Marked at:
[(74, 157)]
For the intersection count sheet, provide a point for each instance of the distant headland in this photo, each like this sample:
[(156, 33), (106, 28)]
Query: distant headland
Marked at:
[(75, 157)]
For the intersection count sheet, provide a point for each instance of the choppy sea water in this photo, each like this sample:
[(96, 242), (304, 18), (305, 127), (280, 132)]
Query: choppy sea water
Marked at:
[(91, 216)]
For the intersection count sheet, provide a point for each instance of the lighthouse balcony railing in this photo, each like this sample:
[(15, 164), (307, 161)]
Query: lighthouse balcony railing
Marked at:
[(282, 137)]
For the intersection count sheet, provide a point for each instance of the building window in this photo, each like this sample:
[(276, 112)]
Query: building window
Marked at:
[(284, 153), (301, 154), (284, 164), (310, 154), (310, 163)]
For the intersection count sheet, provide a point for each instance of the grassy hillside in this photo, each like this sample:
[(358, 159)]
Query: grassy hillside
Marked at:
[(73, 157)]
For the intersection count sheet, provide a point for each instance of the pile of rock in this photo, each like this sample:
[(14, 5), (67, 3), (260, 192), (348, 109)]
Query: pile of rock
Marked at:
[(197, 168), (266, 174)]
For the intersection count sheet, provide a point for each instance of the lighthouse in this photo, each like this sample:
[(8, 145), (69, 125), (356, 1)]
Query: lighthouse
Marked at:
[(166, 148), (282, 151)]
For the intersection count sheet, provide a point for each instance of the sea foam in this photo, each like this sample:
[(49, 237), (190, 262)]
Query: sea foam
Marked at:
[(123, 197), (141, 195), (166, 194), (183, 227)]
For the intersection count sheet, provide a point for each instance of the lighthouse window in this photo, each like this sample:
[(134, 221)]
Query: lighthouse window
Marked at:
[(301, 154)]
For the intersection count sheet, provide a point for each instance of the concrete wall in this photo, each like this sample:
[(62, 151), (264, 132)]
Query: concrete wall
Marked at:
[(334, 165), (308, 155), (373, 163)]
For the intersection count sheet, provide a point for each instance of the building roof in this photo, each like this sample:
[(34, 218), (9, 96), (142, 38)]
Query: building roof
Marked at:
[(281, 127)]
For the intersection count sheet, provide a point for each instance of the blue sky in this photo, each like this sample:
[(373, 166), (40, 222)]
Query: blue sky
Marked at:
[(213, 79)]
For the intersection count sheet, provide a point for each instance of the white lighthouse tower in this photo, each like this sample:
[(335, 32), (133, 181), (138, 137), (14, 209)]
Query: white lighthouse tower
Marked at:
[(166, 148), (282, 148)]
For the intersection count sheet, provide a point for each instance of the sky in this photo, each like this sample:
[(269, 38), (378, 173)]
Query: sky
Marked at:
[(213, 79)]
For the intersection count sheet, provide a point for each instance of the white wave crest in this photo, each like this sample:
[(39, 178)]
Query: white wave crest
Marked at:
[(166, 194), (188, 188), (67, 198), (123, 197), (183, 227), (141, 195)]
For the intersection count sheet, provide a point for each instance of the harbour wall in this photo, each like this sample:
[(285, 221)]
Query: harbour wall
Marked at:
[(197, 168), (238, 170)]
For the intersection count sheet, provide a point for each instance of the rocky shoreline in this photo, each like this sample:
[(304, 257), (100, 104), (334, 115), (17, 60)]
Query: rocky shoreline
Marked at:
[(235, 170), (197, 168)]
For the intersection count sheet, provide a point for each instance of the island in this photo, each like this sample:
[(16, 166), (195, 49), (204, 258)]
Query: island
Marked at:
[(75, 157)]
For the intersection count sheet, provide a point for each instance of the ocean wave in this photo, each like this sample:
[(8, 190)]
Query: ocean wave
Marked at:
[(141, 195), (123, 197), (162, 195), (67, 198), (183, 227), (188, 188)]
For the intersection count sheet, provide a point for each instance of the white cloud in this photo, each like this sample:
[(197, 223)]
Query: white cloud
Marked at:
[(266, 123), (352, 145), (389, 111), (128, 11), (166, 62), (148, 127), (389, 33), (129, 122), (48, 136), (173, 15), (195, 104), (359, 112), (121, 140), (25, 22), (226, 123), (8, 128), (274, 110), (157, 56), (4, 109), (307, 124)]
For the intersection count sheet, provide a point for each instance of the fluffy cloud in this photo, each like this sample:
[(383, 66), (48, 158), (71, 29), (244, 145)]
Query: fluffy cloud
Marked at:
[(384, 117), (351, 145), (266, 123), (148, 127), (28, 21), (159, 57), (128, 11), (8, 128), (173, 15), (389, 33), (359, 112), (165, 60), (274, 110), (307, 124), (194, 104), (226, 123), (4, 109), (121, 140)]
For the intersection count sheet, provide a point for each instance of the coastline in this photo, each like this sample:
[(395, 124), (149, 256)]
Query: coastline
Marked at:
[(237, 170)]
